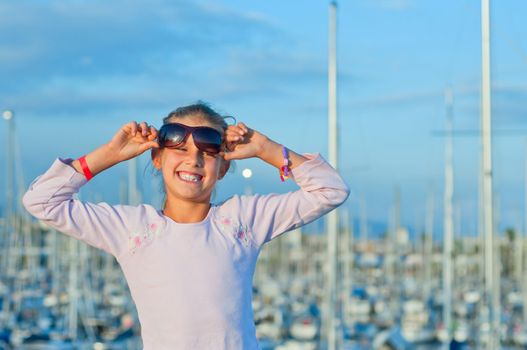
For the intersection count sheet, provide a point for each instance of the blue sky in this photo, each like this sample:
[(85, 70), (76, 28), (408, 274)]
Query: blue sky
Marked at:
[(75, 71)]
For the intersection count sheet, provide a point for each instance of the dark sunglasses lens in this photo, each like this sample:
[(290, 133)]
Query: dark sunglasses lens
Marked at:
[(207, 139), (171, 135)]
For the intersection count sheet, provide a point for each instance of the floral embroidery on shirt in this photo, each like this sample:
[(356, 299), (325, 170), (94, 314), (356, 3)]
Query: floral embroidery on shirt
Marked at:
[(243, 235), (238, 231), (138, 239)]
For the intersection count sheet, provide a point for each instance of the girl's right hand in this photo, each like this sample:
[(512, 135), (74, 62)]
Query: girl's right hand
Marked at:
[(132, 140)]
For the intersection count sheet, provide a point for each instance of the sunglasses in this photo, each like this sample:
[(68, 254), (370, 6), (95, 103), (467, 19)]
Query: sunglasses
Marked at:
[(205, 138)]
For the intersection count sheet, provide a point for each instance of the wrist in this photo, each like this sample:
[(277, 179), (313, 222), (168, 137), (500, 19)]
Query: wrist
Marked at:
[(263, 146), (102, 158)]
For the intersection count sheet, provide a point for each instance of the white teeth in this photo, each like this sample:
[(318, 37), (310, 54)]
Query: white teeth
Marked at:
[(189, 177)]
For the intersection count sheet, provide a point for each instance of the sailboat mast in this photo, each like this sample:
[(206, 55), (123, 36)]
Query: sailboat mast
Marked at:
[(9, 118), (347, 262), (448, 223), (8, 211), (332, 218), (428, 246), (488, 216)]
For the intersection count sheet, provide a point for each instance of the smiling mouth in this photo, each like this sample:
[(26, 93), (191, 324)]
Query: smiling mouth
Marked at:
[(189, 177)]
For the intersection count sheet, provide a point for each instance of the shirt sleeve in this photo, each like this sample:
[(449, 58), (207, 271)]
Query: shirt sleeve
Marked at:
[(321, 190), (50, 199)]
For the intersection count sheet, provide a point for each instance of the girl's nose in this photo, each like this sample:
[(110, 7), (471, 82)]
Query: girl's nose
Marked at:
[(194, 154)]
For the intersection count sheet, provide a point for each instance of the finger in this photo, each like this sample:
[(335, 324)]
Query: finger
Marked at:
[(152, 134), (148, 145), (243, 127), (233, 138), (230, 146), (234, 155), (133, 126), (144, 128), (153, 144), (231, 135), (227, 155), (236, 130)]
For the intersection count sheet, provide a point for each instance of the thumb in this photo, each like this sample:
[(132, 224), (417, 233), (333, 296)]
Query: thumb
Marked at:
[(226, 155), (148, 145), (233, 155)]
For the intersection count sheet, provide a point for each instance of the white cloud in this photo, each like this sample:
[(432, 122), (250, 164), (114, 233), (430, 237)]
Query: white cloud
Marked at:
[(120, 35), (96, 55)]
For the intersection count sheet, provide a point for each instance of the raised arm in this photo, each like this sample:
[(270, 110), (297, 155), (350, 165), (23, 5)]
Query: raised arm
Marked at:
[(50, 197), (131, 140), (267, 216), (243, 142)]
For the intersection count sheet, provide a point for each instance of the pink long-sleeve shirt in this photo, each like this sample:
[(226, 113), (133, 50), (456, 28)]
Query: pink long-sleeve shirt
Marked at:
[(191, 283)]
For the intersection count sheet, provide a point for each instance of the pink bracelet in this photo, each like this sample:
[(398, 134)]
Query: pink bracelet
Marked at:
[(284, 170)]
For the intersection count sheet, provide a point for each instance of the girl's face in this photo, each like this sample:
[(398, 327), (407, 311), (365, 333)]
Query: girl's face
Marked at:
[(189, 173)]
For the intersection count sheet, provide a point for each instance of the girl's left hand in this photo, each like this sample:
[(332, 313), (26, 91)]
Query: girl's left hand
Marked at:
[(242, 142)]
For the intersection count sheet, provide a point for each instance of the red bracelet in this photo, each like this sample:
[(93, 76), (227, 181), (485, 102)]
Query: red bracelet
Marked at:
[(85, 169)]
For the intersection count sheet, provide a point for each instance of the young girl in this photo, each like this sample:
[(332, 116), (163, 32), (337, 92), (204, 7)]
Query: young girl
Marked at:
[(190, 265)]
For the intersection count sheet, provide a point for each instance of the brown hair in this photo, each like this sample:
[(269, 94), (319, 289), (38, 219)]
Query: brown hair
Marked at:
[(200, 109)]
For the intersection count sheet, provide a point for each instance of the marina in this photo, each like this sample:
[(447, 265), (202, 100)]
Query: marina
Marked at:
[(58, 293)]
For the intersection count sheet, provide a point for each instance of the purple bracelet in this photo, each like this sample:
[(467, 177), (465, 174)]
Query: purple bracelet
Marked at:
[(284, 170)]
